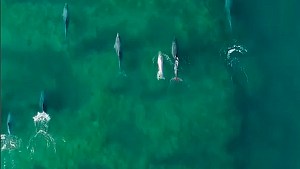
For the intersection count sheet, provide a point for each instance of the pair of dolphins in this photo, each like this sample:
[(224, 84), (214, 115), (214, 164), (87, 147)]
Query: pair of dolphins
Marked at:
[(43, 108), (160, 74), (66, 17), (160, 61)]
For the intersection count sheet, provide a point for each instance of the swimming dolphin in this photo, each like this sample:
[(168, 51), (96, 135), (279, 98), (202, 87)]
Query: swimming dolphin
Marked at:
[(9, 123), (176, 64), (118, 49), (174, 48), (160, 64), (228, 13), (66, 18), (42, 103)]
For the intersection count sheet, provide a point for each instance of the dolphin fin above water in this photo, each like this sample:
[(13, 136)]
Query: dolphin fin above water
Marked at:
[(9, 123), (42, 103)]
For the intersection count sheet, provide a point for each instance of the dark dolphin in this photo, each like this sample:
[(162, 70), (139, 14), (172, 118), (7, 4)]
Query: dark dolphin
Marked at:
[(174, 48), (9, 123), (66, 18), (42, 103)]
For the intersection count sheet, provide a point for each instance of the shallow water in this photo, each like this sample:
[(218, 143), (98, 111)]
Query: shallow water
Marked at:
[(102, 120)]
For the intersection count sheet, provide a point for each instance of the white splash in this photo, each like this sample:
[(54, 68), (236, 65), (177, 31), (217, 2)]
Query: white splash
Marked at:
[(232, 61), (10, 142), (41, 121), (235, 48), (10, 145)]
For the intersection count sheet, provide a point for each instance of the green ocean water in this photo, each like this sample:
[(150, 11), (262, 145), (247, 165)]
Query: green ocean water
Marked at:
[(100, 120)]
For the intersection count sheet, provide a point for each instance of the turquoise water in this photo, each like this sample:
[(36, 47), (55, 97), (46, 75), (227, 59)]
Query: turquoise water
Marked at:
[(100, 120)]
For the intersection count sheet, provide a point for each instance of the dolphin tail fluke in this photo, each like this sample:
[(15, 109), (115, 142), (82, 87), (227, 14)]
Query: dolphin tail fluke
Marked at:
[(120, 67), (176, 79), (121, 71), (66, 32), (160, 76)]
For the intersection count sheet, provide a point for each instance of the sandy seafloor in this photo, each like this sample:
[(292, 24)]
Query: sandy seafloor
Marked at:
[(102, 121)]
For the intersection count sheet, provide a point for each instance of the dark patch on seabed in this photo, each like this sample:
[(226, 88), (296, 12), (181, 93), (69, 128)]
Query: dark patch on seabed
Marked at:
[(269, 136)]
